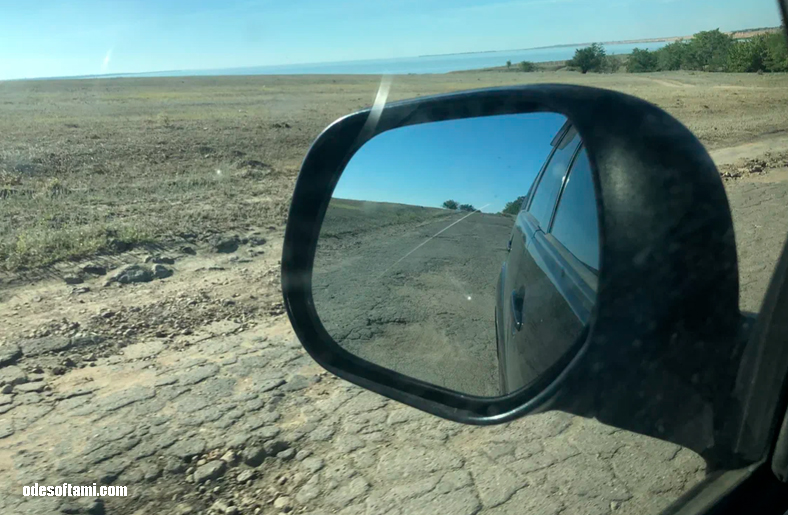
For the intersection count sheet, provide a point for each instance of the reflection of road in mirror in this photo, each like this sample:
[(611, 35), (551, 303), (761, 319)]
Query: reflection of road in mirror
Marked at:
[(413, 289)]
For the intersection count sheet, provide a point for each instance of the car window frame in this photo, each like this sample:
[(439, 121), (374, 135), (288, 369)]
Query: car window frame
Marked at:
[(530, 216), (554, 144), (580, 267)]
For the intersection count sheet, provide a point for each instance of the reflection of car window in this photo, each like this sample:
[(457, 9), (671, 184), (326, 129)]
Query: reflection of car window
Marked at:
[(575, 224), (547, 190)]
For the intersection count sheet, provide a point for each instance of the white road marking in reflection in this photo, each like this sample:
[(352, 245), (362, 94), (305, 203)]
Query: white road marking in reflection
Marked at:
[(433, 237)]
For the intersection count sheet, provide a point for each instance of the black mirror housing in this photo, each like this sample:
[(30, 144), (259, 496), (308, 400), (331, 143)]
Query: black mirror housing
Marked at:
[(667, 299)]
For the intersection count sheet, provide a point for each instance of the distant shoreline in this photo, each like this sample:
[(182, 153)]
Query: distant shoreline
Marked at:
[(736, 34)]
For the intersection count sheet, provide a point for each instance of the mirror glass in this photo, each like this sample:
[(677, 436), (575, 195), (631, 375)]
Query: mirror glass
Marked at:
[(463, 253)]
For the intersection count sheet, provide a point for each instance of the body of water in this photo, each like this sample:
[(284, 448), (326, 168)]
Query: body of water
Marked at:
[(405, 65)]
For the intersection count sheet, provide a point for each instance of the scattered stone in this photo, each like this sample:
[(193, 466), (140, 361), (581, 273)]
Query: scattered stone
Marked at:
[(161, 260), (187, 448), (188, 250), (84, 339), (224, 244), (12, 375), (72, 279), (7, 389), (9, 353), (58, 370), (253, 456), (161, 272), (274, 447), (229, 457), (30, 387), (286, 455), (246, 475), (80, 290), (132, 274), (302, 455), (211, 470), (47, 344), (94, 269), (283, 503)]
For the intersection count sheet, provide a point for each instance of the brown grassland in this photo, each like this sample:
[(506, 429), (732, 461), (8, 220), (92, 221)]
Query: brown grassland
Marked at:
[(96, 166)]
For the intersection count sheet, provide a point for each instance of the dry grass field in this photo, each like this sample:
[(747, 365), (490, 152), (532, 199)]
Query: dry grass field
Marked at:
[(94, 166)]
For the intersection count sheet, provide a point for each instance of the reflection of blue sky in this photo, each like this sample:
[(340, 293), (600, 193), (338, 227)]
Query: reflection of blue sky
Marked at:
[(481, 161)]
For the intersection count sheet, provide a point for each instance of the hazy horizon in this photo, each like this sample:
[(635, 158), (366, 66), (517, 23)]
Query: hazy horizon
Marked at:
[(90, 37)]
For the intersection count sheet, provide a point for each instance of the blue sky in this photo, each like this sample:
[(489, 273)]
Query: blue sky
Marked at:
[(486, 161), (44, 38)]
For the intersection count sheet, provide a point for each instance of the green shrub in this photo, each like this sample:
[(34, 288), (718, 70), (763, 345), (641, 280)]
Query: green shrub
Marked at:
[(747, 56), (611, 64), (642, 61), (527, 66), (776, 59), (671, 56), (590, 58), (508, 64), (467, 207), (450, 204), (708, 51)]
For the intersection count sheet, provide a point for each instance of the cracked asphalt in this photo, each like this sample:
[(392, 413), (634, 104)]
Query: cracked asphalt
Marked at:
[(239, 420)]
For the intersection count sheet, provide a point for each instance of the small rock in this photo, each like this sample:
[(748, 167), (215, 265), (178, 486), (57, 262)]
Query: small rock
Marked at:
[(12, 375), (283, 503), (79, 290), (302, 455), (286, 455), (253, 456), (161, 272), (274, 447), (9, 353), (7, 389), (614, 505), (188, 250), (224, 244), (37, 346), (94, 269), (246, 475), (133, 274), (211, 470), (30, 387), (58, 370), (229, 457), (72, 279), (183, 509)]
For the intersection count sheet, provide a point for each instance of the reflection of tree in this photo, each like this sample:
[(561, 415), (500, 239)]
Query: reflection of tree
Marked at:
[(453, 205), (512, 208)]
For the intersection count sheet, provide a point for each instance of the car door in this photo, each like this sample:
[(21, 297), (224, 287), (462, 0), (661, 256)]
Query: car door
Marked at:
[(526, 286)]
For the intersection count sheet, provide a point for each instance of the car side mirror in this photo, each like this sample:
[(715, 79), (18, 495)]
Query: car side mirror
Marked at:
[(630, 304)]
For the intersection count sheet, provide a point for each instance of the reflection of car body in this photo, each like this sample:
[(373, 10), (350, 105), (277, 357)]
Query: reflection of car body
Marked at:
[(547, 284)]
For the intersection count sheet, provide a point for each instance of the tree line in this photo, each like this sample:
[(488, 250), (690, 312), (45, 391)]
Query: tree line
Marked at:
[(709, 50)]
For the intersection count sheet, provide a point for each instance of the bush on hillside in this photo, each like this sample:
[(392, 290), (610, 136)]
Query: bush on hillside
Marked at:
[(590, 58), (642, 61), (527, 66)]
